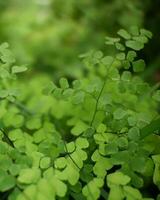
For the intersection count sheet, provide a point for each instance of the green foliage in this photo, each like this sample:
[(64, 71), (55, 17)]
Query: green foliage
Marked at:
[(97, 137)]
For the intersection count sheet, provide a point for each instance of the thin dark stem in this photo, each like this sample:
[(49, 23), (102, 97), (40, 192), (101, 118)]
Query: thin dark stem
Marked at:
[(97, 101), (22, 107), (65, 145), (7, 138), (70, 155)]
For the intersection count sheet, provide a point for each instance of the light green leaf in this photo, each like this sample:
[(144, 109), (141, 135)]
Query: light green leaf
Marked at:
[(18, 69), (70, 147), (131, 55), (116, 192), (30, 175), (98, 55), (79, 128), (120, 46), (45, 162), (132, 193), (101, 128), (48, 89), (64, 83), (123, 33), (126, 76), (78, 97), (107, 60), (146, 33), (142, 39), (60, 163), (117, 178), (120, 56), (135, 45), (82, 142), (92, 190), (33, 123), (3, 93)]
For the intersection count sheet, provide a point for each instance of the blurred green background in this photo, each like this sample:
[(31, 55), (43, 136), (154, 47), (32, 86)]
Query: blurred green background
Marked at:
[(49, 35)]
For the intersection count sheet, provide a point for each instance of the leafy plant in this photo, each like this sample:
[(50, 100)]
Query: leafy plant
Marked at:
[(93, 138)]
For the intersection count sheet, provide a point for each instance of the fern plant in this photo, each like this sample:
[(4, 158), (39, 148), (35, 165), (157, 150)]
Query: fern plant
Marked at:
[(94, 138)]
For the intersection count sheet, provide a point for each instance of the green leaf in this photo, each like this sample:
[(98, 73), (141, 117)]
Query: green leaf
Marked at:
[(64, 83), (47, 90), (119, 114), (45, 162), (76, 84), (110, 148), (151, 128), (122, 142), (146, 33), (98, 55), (132, 120), (111, 40), (60, 163), (120, 56), (18, 69), (79, 128), (138, 66), (67, 93), (126, 64), (57, 93), (30, 175), (116, 192), (101, 128), (82, 143), (78, 97), (92, 190), (102, 165), (117, 178), (14, 169), (132, 193), (4, 73), (7, 56), (120, 46), (138, 163), (134, 30), (126, 76), (114, 74), (142, 39), (59, 186), (3, 93), (16, 134), (156, 175), (33, 123), (135, 45), (156, 96), (70, 147), (131, 55), (107, 60), (7, 182), (134, 134), (123, 33)]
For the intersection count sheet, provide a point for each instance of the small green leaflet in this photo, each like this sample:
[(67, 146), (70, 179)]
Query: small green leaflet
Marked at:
[(135, 45), (18, 69), (123, 33)]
